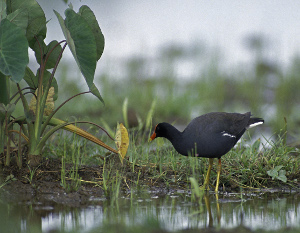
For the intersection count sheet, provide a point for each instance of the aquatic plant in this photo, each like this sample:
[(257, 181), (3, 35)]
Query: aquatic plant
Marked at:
[(23, 26)]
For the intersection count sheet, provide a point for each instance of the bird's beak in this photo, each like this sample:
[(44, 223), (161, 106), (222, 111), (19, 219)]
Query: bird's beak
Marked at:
[(152, 137)]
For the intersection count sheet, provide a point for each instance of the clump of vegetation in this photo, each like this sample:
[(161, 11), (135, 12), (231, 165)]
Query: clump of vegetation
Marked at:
[(23, 26), (275, 164)]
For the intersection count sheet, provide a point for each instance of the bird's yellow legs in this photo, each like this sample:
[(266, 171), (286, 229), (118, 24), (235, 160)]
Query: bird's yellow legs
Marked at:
[(218, 175), (206, 181)]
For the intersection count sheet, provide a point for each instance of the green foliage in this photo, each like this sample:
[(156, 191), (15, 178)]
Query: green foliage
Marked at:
[(32, 172), (23, 25), (197, 193), (70, 180), (81, 35), (28, 15), (90, 18), (277, 173), (53, 49), (33, 81), (14, 50), (6, 110), (7, 180)]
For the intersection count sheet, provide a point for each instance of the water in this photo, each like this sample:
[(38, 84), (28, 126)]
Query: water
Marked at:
[(175, 211)]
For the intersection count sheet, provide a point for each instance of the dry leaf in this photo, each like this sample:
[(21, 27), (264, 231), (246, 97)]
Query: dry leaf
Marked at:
[(122, 140)]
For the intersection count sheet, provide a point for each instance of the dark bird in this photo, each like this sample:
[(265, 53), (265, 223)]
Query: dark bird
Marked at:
[(211, 136)]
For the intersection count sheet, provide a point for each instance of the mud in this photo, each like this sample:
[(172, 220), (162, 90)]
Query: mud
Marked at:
[(46, 184)]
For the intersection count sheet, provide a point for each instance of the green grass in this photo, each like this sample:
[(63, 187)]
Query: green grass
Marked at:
[(268, 93), (157, 164), (141, 100)]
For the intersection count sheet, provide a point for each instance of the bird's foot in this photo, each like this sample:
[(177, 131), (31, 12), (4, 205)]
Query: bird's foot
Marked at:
[(207, 188)]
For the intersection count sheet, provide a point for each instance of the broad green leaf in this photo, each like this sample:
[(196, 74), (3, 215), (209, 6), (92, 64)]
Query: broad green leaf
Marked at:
[(273, 173), (84, 49), (39, 49), (8, 109), (82, 44), (13, 50), (30, 78), (54, 52), (65, 31), (94, 90), (282, 176), (2, 9), (32, 81), (90, 18), (20, 18), (277, 173), (36, 17)]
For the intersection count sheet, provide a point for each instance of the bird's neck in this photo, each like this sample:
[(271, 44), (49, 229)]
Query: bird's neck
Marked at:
[(172, 133), (175, 137)]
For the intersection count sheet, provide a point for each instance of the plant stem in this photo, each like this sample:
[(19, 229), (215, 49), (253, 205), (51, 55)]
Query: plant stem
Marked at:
[(19, 158), (7, 160), (46, 123), (4, 99), (30, 124), (51, 131)]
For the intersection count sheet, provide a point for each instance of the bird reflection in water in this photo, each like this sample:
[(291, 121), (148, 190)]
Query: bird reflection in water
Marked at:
[(208, 207)]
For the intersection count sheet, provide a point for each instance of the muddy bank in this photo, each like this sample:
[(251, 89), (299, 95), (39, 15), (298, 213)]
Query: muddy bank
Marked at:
[(45, 185)]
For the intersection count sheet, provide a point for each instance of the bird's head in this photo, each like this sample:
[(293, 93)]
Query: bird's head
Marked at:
[(161, 130)]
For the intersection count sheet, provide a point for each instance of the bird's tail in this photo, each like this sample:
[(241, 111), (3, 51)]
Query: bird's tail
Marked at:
[(255, 121)]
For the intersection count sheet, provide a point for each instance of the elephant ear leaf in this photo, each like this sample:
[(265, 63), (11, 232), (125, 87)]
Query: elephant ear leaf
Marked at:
[(12, 42), (82, 43), (28, 15), (90, 18)]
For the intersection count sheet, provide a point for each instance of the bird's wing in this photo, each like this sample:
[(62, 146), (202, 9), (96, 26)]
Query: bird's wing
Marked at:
[(231, 123)]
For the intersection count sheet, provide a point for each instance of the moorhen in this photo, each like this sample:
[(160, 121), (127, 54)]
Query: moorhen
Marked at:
[(211, 136)]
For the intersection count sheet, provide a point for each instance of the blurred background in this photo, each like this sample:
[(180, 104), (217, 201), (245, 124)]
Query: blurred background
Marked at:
[(187, 58)]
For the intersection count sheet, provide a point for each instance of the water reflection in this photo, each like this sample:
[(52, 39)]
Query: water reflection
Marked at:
[(208, 209), (172, 212)]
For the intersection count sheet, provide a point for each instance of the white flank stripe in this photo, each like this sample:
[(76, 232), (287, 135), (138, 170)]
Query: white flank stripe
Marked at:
[(228, 135), (255, 124)]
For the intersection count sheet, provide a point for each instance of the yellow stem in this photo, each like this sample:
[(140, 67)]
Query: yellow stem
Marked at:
[(23, 135)]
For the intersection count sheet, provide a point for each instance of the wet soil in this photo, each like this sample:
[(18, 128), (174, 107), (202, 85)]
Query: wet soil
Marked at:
[(46, 184)]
